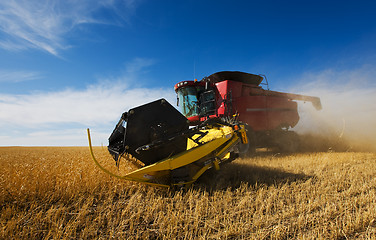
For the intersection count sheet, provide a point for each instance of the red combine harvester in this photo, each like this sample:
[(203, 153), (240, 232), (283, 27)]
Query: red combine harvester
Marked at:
[(269, 115), (222, 116)]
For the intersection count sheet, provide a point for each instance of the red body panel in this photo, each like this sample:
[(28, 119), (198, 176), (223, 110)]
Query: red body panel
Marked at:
[(257, 107), (262, 110)]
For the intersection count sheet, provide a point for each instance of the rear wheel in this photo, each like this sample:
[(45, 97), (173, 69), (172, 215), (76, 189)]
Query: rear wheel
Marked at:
[(288, 141)]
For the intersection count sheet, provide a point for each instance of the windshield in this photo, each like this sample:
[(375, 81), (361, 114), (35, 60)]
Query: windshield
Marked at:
[(188, 101)]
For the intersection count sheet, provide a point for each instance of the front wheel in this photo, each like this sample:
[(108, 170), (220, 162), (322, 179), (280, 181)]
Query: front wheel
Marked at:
[(249, 149)]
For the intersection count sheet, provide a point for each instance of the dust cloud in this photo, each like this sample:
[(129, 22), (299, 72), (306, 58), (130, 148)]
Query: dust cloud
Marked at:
[(347, 121)]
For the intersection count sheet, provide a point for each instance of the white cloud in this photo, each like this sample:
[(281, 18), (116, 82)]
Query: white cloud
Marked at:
[(92, 106), (138, 64), (43, 24), (61, 118), (18, 76)]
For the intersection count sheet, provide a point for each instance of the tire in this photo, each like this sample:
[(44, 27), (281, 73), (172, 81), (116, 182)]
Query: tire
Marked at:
[(288, 142)]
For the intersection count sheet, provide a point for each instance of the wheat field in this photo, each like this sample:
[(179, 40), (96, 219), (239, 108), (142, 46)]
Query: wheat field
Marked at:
[(59, 193)]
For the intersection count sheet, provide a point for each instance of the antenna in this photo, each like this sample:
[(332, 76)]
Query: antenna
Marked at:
[(194, 68)]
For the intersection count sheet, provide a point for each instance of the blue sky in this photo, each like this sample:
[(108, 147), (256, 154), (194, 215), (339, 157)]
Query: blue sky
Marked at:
[(66, 65)]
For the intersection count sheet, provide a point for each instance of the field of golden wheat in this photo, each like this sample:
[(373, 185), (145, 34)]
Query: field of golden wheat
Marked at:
[(59, 193)]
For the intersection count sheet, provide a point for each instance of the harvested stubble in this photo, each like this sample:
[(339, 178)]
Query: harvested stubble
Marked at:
[(54, 193)]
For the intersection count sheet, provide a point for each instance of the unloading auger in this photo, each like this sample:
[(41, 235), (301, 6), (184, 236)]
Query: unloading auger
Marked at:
[(172, 153)]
